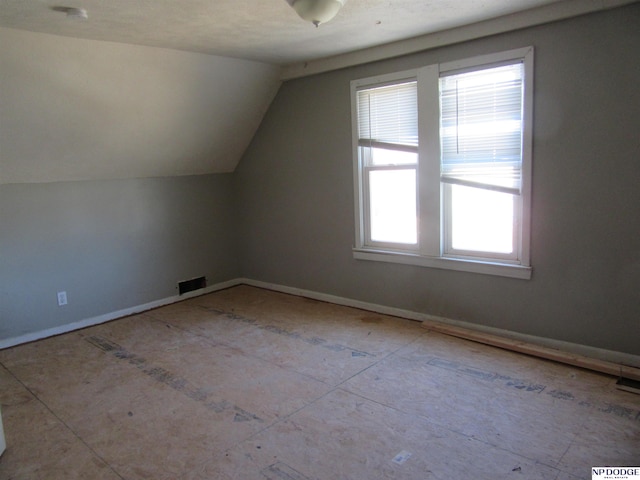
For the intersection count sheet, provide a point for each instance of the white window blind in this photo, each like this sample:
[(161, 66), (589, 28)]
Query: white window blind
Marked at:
[(481, 128), (388, 117), (442, 164)]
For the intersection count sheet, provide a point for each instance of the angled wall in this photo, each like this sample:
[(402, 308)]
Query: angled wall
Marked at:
[(75, 109), (295, 191), (112, 183)]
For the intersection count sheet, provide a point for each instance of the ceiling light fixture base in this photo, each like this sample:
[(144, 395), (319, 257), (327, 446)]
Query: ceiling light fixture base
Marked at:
[(317, 11)]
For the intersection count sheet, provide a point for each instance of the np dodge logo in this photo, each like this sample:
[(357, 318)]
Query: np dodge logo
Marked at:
[(615, 473)]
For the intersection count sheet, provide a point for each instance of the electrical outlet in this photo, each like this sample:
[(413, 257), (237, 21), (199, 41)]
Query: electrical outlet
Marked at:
[(62, 298)]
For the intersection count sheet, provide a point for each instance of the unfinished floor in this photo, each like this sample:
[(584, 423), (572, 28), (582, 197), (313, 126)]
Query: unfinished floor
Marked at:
[(251, 384)]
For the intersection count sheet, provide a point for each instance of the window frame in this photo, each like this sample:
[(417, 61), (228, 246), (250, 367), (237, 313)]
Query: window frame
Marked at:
[(430, 207)]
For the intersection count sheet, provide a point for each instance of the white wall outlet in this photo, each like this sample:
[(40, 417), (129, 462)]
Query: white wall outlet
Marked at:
[(62, 298)]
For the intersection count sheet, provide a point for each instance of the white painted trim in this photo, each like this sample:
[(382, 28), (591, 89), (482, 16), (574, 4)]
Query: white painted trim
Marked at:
[(325, 297), (446, 263), (584, 350), (619, 358), (89, 322), (516, 21), (3, 442), (428, 251)]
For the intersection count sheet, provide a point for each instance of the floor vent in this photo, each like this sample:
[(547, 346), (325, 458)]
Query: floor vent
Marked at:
[(628, 385), (191, 285)]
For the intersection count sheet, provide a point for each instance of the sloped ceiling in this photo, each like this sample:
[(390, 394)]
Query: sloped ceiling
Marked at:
[(73, 109), (162, 87)]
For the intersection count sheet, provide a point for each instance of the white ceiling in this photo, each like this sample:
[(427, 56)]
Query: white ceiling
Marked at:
[(263, 30)]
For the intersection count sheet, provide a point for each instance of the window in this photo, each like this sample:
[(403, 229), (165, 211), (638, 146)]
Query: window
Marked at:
[(388, 146), (442, 159)]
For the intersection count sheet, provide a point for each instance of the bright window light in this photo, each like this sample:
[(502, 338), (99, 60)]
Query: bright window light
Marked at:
[(481, 220), (442, 164), (393, 206)]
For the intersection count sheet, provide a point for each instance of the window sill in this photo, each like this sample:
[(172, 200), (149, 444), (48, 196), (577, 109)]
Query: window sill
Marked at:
[(461, 265)]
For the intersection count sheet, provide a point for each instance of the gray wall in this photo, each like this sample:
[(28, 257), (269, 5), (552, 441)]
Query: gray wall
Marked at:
[(122, 121), (286, 215), (110, 245), (295, 193)]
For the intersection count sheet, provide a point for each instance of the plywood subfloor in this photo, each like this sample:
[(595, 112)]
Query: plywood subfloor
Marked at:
[(250, 384)]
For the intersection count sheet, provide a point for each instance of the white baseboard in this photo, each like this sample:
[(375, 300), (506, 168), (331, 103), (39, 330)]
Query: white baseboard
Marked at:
[(618, 358), (3, 443), (90, 322)]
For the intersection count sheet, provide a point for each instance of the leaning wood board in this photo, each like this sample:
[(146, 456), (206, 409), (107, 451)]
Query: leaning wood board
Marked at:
[(610, 368)]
